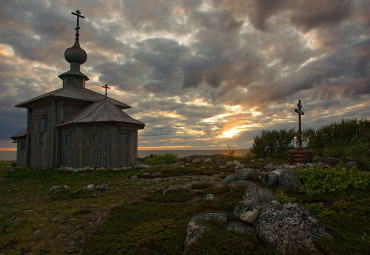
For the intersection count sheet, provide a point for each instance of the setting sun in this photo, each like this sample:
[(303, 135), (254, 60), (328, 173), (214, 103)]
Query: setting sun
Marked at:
[(230, 133)]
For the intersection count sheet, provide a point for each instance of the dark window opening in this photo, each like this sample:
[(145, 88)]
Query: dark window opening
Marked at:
[(94, 138), (68, 138), (42, 123), (23, 145), (41, 140)]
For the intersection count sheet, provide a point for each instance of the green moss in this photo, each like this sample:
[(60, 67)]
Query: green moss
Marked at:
[(178, 195), (201, 185)]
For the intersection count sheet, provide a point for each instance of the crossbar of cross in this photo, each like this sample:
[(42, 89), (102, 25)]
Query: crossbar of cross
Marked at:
[(77, 14)]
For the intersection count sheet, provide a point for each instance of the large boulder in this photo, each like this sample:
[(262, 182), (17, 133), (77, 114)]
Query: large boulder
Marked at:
[(256, 199), (289, 226), (230, 179), (195, 229), (257, 195), (269, 178), (288, 180), (246, 174)]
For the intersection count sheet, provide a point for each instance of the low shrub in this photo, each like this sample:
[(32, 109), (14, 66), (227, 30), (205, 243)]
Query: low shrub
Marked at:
[(321, 180), (168, 158)]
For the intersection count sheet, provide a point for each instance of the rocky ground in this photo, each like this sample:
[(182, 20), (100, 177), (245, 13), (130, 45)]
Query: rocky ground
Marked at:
[(242, 203)]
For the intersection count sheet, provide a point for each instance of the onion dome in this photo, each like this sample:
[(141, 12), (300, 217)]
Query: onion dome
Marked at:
[(75, 54)]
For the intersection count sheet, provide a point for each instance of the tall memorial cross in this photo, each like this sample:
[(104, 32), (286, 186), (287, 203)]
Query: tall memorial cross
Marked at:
[(106, 89), (300, 113), (77, 13)]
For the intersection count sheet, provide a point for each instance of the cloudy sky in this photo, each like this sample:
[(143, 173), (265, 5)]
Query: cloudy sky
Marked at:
[(202, 74)]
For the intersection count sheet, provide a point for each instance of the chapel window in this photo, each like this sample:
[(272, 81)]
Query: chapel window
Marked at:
[(41, 140)]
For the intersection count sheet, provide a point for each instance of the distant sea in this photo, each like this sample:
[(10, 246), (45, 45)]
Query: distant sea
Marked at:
[(11, 155)]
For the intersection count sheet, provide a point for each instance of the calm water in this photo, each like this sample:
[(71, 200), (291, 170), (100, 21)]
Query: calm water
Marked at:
[(11, 155)]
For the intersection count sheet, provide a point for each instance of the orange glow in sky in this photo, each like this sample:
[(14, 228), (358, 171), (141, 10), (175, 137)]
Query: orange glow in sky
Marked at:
[(165, 147), (8, 149)]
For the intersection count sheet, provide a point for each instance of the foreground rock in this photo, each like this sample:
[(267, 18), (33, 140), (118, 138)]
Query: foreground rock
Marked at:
[(284, 179), (195, 229), (289, 226), (256, 199), (288, 180)]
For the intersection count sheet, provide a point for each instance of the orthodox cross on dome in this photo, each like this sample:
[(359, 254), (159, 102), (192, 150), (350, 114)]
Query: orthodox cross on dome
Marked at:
[(300, 113), (106, 89), (77, 13)]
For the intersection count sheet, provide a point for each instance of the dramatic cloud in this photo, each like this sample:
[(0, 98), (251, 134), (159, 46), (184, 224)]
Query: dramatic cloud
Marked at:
[(201, 74)]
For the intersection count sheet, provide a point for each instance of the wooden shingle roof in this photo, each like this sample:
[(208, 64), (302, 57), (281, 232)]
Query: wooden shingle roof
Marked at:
[(20, 134), (73, 93), (102, 111)]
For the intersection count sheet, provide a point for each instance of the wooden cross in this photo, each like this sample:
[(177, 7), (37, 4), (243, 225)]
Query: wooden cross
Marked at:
[(77, 13), (300, 113), (106, 89)]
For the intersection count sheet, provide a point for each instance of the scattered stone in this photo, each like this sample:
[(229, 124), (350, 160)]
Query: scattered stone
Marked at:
[(210, 197), (134, 177), (37, 231), (102, 187), (54, 220), (217, 160), (90, 187), (58, 187), (222, 167), (352, 164), (241, 166), (231, 164), (230, 179), (145, 174), (269, 178), (246, 174), (157, 174), (190, 158), (203, 167), (240, 227), (269, 167), (208, 160), (289, 226), (326, 160), (172, 187), (288, 180), (196, 160), (195, 229), (249, 217)]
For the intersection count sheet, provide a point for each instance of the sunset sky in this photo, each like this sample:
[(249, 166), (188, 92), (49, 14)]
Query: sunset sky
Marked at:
[(201, 74)]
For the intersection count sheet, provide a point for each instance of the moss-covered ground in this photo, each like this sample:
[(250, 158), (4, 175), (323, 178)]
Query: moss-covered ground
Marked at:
[(133, 216)]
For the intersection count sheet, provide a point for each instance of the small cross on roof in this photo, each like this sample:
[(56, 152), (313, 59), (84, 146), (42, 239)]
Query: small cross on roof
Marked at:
[(106, 89)]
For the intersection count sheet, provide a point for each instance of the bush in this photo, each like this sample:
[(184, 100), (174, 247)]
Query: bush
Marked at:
[(319, 181), (168, 158), (349, 140), (273, 143)]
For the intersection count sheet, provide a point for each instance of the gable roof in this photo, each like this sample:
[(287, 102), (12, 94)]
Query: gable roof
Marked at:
[(74, 93), (102, 111)]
